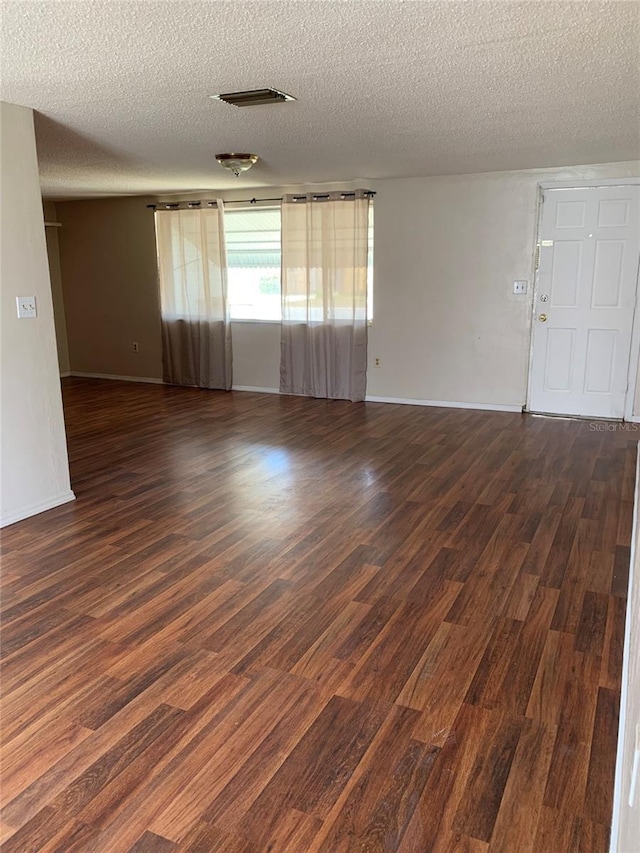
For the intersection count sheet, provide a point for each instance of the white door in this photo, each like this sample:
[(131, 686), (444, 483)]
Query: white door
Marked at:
[(584, 301)]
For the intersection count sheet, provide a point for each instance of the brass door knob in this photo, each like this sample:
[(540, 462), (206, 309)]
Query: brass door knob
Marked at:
[(542, 318)]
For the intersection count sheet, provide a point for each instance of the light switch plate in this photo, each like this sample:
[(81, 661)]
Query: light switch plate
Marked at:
[(519, 286), (26, 307)]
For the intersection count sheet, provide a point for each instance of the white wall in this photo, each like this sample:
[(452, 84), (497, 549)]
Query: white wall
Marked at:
[(447, 250), (33, 451), (625, 828)]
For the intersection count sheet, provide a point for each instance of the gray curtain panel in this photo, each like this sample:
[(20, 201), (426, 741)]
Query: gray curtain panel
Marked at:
[(196, 329), (197, 352), (324, 296)]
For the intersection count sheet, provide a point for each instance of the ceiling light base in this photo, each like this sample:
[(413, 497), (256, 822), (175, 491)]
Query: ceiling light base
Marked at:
[(237, 163)]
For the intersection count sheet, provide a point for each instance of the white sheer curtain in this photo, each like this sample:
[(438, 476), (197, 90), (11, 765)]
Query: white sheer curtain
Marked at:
[(324, 295), (192, 264)]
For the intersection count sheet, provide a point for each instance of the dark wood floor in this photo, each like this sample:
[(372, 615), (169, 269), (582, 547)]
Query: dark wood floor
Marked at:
[(295, 625)]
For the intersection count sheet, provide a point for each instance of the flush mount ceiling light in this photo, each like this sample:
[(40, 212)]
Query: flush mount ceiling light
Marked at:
[(237, 163), (253, 97)]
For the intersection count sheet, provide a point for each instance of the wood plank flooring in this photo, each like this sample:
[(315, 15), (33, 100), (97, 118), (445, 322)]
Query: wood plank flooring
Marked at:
[(292, 625)]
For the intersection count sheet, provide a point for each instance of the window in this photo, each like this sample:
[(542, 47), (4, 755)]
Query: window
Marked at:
[(253, 257), (253, 244)]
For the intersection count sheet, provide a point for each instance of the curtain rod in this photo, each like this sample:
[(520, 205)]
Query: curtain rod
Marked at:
[(173, 205)]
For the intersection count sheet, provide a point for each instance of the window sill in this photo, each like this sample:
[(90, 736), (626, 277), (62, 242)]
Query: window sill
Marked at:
[(264, 322), (275, 322)]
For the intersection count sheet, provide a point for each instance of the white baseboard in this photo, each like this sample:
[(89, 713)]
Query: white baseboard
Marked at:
[(65, 374), (444, 404), (34, 509), (146, 379), (256, 389), (633, 419)]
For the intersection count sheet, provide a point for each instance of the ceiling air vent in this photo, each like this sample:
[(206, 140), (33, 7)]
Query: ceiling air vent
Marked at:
[(254, 97)]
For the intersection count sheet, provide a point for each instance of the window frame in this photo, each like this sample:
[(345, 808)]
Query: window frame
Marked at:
[(254, 208)]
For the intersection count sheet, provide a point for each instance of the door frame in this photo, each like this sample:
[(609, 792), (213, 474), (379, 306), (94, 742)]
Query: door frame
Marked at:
[(634, 350)]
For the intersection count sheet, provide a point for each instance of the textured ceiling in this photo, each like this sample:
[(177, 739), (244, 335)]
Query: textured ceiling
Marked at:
[(385, 88)]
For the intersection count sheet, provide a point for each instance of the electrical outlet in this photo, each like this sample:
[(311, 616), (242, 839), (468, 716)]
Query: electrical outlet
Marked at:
[(26, 307), (519, 286), (376, 362), (136, 348)]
